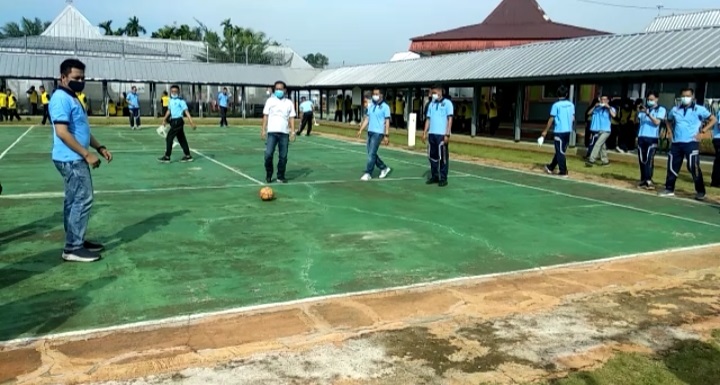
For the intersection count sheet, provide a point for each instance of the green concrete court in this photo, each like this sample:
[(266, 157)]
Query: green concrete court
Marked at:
[(190, 238)]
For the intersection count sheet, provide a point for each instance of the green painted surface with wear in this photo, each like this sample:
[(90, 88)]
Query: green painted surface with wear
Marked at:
[(202, 249)]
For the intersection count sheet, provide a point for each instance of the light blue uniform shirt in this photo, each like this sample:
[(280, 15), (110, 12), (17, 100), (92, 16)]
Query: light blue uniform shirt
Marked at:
[(687, 122), (306, 106), (438, 112), (563, 113), (177, 108), (648, 129), (716, 129), (222, 100), (377, 114), (65, 108), (600, 121), (133, 102)]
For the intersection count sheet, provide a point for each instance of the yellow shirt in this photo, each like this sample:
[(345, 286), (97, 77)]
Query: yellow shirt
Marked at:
[(83, 100), (44, 98), (468, 111), (399, 107), (33, 97), (483, 108), (339, 104), (164, 100), (3, 100), (12, 102), (493, 110), (112, 111)]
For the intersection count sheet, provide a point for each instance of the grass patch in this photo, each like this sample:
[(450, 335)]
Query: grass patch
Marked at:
[(625, 172), (686, 363)]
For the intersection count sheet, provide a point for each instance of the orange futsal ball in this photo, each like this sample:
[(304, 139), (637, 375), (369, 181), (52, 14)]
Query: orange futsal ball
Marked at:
[(266, 194)]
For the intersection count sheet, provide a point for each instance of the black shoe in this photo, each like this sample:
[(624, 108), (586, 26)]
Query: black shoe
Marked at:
[(164, 159), (93, 246), (268, 179), (80, 255), (431, 181), (187, 158), (442, 183)]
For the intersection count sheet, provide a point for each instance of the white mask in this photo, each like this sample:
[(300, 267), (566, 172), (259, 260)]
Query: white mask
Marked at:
[(435, 96), (375, 98), (686, 100)]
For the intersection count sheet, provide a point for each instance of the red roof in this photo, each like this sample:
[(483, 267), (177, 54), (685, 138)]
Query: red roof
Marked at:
[(514, 20)]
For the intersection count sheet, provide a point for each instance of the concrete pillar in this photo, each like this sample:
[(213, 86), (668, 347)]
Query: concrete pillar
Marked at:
[(573, 99), (243, 104), (519, 108), (475, 120)]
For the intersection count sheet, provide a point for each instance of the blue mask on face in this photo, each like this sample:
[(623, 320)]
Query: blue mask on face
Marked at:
[(279, 94), (174, 96)]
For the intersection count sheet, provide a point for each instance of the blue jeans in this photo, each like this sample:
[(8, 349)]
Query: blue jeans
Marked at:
[(281, 141), (439, 156), (373, 144), (684, 151), (559, 160), (78, 201), (134, 117)]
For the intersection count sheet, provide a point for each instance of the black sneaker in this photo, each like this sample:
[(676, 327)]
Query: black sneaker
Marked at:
[(93, 246), (442, 183), (187, 158), (607, 164), (432, 181), (80, 255), (164, 159), (268, 179)]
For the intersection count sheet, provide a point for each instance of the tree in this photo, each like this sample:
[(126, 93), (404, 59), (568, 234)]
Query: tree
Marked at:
[(235, 44), (317, 60), (26, 27), (106, 26), (183, 32), (133, 27)]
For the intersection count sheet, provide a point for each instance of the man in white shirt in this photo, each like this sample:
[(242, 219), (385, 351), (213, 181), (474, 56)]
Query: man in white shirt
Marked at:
[(278, 128)]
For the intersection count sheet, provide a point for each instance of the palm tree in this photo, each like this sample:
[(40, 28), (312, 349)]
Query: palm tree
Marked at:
[(106, 26), (133, 27), (317, 60), (183, 32), (26, 27)]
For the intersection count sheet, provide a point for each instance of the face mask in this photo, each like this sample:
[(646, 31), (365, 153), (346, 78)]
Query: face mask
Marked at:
[(174, 96), (375, 98), (76, 86), (435, 96), (651, 103), (279, 94), (686, 100)]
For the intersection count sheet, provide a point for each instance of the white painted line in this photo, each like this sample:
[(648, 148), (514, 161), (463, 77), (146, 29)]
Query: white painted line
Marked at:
[(554, 192), (10, 147), (225, 166), (184, 320), (60, 194)]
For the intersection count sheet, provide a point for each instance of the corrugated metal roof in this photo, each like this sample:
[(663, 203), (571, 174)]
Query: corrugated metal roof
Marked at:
[(710, 18), (26, 66), (71, 23), (591, 56)]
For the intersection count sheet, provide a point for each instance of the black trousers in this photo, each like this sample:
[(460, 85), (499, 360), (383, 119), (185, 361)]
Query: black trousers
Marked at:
[(177, 130), (439, 156), (33, 109), (612, 142), (46, 113), (646, 157), (494, 125), (3, 114), (307, 118), (223, 116), (716, 164), (135, 117), (13, 113), (691, 153)]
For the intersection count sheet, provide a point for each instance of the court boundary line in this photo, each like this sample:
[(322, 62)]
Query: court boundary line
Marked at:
[(480, 163), (60, 194), (554, 192), (227, 167), (186, 319), (13, 144)]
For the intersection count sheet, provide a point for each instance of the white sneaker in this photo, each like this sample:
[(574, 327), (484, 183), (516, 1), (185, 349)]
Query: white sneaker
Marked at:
[(384, 173), (366, 177)]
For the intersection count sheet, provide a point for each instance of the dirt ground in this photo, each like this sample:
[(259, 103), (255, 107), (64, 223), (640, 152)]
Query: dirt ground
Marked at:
[(504, 330)]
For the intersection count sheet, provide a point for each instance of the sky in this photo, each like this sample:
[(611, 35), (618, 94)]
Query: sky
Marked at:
[(350, 32)]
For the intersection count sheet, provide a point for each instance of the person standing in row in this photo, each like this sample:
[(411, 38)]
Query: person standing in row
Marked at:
[(45, 100), (306, 109), (686, 124), (278, 127), (33, 99), (377, 121), (3, 104), (649, 117), (600, 115), (12, 106), (562, 118), (715, 182), (133, 102), (177, 109), (223, 102), (436, 134), (164, 102), (71, 140)]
